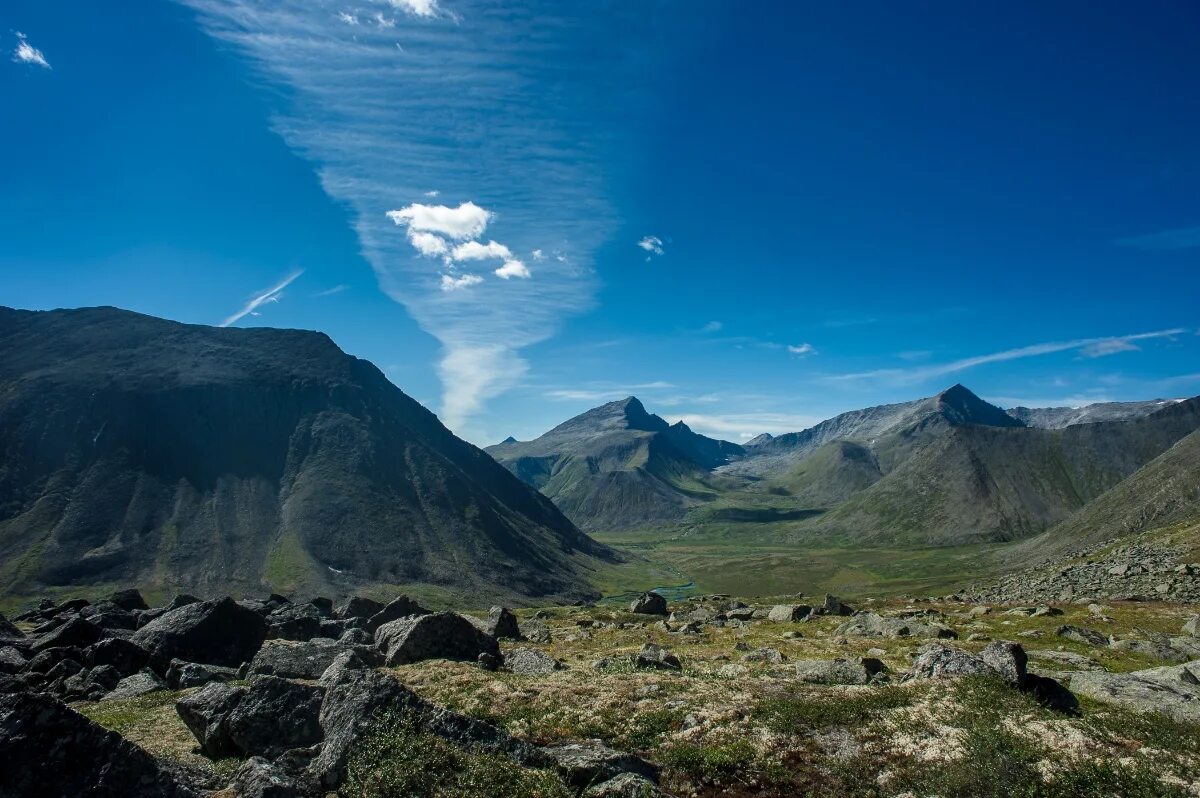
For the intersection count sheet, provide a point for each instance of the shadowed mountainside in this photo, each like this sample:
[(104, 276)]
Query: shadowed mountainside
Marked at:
[(144, 451)]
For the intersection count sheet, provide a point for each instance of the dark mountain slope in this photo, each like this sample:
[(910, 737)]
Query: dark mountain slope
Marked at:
[(618, 466), (138, 450), (989, 483), (1165, 492)]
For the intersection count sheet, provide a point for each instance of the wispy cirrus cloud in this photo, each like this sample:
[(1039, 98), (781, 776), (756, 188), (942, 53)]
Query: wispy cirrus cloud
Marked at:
[(1177, 238), (26, 53), (272, 294), (460, 106), (1086, 347)]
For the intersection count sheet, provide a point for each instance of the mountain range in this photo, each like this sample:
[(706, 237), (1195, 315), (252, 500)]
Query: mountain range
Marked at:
[(944, 470), (139, 451)]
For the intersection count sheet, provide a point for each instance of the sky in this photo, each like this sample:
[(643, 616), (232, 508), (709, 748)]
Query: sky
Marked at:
[(751, 216)]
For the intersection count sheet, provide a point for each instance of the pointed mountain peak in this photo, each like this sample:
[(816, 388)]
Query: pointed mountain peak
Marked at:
[(958, 405), (759, 440), (509, 439), (627, 413)]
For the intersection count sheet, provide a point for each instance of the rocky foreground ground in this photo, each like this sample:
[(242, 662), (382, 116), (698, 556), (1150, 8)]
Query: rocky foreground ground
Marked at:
[(711, 696)]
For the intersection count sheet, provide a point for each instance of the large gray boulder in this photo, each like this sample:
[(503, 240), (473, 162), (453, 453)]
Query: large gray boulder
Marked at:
[(1080, 634), (210, 632), (182, 675), (294, 622), (49, 751), (936, 661), (655, 657), (397, 608), (206, 714), (839, 671), (442, 635), (8, 632), (308, 660), (592, 762), (1173, 691), (135, 685), (789, 612), (75, 633), (500, 622), (124, 655), (357, 607), (626, 785), (275, 715), (531, 662), (649, 603)]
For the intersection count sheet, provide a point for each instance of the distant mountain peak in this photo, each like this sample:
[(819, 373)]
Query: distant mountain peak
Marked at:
[(509, 439), (759, 440), (627, 413), (960, 406)]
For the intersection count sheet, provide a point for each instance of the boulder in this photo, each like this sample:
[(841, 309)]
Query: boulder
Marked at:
[(129, 600), (346, 661), (206, 714), (650, 603), (182, 600), (124, 655), (443, 635), (655, 657), (531, 662), (260, 778), (835, 606), (209, 632), (1192, 626), (500, 622), (75, 633), (1079, 634), (1173, 691), (323, 605), (294, 622), (535, 631), (839, 671), (306, 660), (358, 607), (626, 785), (397, 608), (274, 715), (107, 615), (789, 612), (353, 701), (936, 661), (44, 661), (768, 655), (50, 751), (134, 685), (592, 762), (8, 632), (183, 675)]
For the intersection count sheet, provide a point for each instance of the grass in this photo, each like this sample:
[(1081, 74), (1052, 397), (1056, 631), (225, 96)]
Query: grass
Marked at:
[(808, 710), (397, 760)]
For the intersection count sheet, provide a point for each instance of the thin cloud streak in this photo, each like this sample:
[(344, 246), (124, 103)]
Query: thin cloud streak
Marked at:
[(1087, 347), (272, 294), (460, 107)]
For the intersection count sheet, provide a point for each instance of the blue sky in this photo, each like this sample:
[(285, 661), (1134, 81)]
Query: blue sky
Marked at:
[(751, 216)]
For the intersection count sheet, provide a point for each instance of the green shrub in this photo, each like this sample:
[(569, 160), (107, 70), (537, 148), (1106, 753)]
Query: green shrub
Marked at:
[(799, 712), (397, 760)]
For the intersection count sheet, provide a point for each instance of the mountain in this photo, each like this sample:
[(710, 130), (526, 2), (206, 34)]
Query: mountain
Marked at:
[(135, 450), (1059, 417), (1163, 493), (618, 466), (892, 431), (986, 483)]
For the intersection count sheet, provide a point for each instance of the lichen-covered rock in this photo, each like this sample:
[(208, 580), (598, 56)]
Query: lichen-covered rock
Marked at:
[(789, 612), (182, 675), (307, 660), (397, 608), (1173, 690), (442, 635), (274, 715), (1079, 634), (50, 751), (839, 671), (206, 714), (655, 657), (869, 624), (134, 685), (294, 622), (75, 633), (124, 655), (531, 662), (209, 632), (626, 785), (649, 603), (500, 622), (936, 661), (129, 600), (592, 762), (358, 607)]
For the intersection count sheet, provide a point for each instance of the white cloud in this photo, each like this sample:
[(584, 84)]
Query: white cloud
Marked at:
[(428, 244), (473, 250), (26, 53), (272, 294), (450, 283), (606, 392), (1087, 347), (418, 8), (712, 327), (474, 374), (538, 254), (652, 244), (348, 18), (432, 193), (466, 221), (337, 289), (384, 22), (802, 349), (513, 268), (744, 426)]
